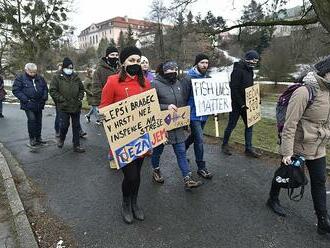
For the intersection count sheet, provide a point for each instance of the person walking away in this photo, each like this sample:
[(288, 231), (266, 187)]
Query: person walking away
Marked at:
[(128, 82), (306, 132), (67, 91), (32, 92), (241, 78)]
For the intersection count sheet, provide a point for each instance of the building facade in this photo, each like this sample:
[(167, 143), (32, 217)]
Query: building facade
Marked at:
[(110, 29)]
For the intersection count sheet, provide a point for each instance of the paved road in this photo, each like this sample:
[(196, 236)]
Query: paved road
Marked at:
[(228, 211)]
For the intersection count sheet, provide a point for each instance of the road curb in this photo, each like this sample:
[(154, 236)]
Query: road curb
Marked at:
[(23, 229)]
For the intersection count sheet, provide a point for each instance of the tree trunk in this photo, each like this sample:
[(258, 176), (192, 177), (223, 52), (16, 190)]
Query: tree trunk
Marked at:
[(322, 10)]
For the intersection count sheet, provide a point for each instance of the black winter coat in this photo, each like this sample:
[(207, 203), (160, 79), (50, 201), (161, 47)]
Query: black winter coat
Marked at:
[(32, 93), (240, 79)]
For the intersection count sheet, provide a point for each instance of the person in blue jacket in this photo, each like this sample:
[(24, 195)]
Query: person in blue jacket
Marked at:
[(32, 91), (197, 123)]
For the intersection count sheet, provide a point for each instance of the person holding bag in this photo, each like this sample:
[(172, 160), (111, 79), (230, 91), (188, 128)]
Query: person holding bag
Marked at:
[(306, 132), (129, 82)]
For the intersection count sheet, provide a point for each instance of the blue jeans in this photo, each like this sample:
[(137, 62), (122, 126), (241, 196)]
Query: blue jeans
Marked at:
[(0, 106), (94, 110), (233, 118), (65, 123), (34, 123), (181, 157), (196, 137)]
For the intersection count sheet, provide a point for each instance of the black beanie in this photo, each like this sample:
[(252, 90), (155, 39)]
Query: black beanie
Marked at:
[(200, 57), (111, 49), (251, 55), (128, 51), (323, 67), (66, 62)]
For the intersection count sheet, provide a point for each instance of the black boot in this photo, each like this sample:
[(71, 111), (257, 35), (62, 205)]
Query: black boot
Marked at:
[(276, 207), (126, 210), (226, 150), (323, 225), (252, 153), (33, 142), (137, 211)]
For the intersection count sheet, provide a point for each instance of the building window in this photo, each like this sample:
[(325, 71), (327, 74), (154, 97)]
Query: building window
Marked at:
[(93, 39), (97, 39), (90, 40)]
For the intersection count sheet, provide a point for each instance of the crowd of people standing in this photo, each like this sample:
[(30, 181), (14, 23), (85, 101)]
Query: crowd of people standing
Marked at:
[(119, 75)]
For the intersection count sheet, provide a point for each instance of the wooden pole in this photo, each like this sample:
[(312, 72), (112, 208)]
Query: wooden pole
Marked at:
[(216, 123)]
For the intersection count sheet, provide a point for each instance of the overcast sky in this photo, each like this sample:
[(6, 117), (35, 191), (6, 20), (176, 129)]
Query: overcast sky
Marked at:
[(93, 11)]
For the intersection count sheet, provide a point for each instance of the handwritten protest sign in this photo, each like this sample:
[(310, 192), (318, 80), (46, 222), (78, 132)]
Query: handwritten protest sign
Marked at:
[(252, 97), (176, 119), (212, 96), (132, 121)]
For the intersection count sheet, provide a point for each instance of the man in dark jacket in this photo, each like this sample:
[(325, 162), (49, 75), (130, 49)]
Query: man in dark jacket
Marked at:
[(32, 91), (67, 91), (241, 78), (107, 66), (197, 123)]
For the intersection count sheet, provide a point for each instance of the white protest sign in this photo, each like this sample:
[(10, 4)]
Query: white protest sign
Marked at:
[(212, 96)]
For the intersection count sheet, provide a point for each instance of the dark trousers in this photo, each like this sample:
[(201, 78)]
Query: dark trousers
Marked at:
[(1, 106), (65, 123), (196, 137), (34, 123), (233, 118), (57, 120), (131, 181), (317, 174)]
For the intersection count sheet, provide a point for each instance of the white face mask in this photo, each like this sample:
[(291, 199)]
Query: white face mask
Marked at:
[(67, 71)]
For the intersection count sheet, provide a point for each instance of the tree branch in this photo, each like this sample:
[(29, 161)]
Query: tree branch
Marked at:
[(299, 22)]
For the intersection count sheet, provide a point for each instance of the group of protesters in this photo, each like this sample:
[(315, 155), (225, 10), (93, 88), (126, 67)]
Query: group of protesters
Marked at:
[(125, 74)]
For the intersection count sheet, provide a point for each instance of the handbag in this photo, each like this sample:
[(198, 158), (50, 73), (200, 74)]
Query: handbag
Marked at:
[(292, 177)]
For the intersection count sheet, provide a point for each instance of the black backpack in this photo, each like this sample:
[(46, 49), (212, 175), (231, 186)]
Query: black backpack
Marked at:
[(291, 177)]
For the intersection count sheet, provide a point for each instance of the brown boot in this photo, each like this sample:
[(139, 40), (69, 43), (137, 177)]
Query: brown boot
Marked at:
[(190, 183)]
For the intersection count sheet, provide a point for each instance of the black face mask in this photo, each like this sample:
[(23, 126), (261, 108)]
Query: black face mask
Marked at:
[(133, 69), (113, 62), (172, 77)]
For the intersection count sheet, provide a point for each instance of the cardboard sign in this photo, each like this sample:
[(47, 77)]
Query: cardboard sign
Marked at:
[(133, 150), (176, 119), (252, 97), (212, 96), (127, 121)]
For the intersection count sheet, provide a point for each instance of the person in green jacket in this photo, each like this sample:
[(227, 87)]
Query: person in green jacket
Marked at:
[(91, 99), (106, 67), (67, 91)]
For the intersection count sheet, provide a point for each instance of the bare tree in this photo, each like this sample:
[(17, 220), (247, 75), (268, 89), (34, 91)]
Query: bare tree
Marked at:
[(318, 12)]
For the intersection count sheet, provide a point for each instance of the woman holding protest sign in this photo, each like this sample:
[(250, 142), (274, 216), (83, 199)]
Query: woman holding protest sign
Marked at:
[(130, 81), (171, 97)]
